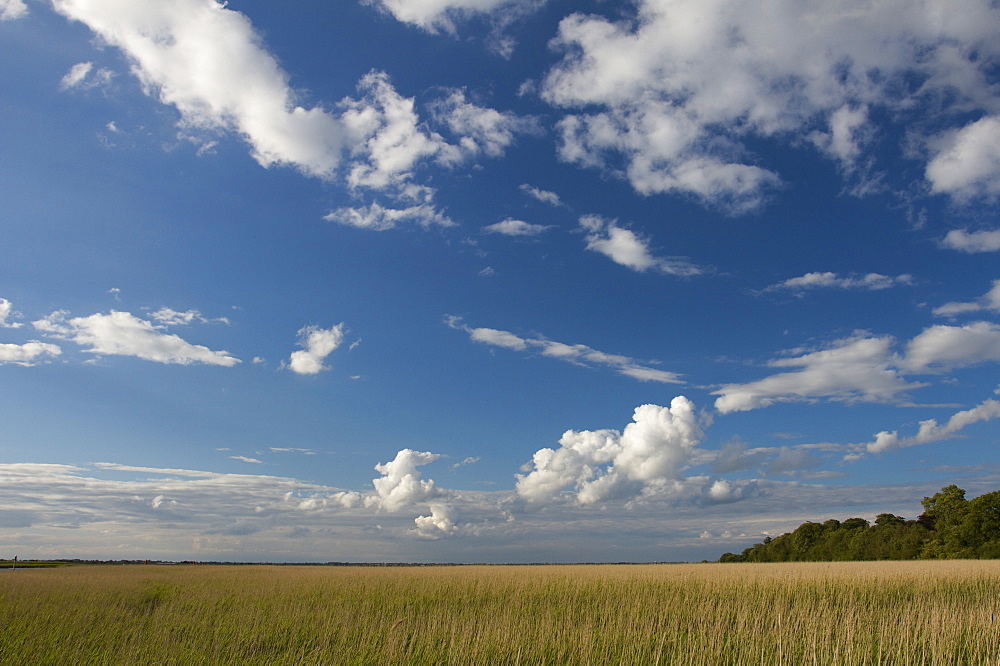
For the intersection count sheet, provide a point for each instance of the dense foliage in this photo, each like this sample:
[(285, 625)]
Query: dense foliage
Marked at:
[(951, 527)]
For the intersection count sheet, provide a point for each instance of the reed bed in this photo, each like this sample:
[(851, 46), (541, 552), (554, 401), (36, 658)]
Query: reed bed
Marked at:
[(809, 613)]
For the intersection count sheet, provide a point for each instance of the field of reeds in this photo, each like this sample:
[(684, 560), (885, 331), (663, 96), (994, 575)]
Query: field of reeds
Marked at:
[(842, 613)]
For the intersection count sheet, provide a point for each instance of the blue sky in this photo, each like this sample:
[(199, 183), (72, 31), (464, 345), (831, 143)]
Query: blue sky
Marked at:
[(491, 280)]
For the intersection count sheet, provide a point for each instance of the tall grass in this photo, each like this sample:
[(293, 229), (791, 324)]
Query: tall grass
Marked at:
[(843, 613)]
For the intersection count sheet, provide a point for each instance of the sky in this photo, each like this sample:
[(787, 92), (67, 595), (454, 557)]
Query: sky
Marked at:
[(491, 280)]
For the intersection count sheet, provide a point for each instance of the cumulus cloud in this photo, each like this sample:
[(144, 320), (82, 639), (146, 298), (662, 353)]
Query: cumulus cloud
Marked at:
[(27, 354), (576, 354), (828, 280), (628, 249), (378, 218), (317, 343), (512, 227), (208, 62), (440, 15), (593, 466), (400, 486), (988, 301), (853, 369), (672, 97), (929, 430), (943, 348), (124, 334), (968, 163), (721, 491), (387, 137), (12, 9), (482, 130), (440, 523), (972, 242), (6, 312)]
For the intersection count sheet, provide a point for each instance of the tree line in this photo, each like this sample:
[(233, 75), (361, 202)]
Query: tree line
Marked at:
[(951, 527)]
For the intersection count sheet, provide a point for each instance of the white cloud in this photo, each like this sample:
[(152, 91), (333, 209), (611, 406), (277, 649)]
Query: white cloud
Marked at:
[(968, 162), (387, 137), (944, 348), (545, 196), (482, 130), (123, 334), (512, 227), (169, 317), (625, 247), (441, 522), (930, 431), (680, 90), (318, 343), (607, 464), (400, 485), (848, 132), (28, 353), (988, 301), (12, 9), (78, 76), (247, 460), (378, 218), (440, 15), (7, 311), (972, 242), (496, 338), (827, 280), (207, 62), (576, 354), (854, 369)]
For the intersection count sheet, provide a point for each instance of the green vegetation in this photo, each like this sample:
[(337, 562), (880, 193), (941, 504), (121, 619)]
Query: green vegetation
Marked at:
[(837, 613), (951, 527)]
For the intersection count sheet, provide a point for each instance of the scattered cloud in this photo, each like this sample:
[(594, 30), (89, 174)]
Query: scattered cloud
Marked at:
[(545, 196), (940, 349), (207, 62), (27, 354), (930, 431), (628, 249), (436, 16), (827, 280), (576, 354), (123, 334), (377, 218), (317, 343), (988, 301), (862, 368), (608, 464), (512, 227), (857, 368), (967, 162), (679, 91), (247, 460), (972, 242), (6, 312), (169, 317), (79, 76), (483, 131), (471, 460), (12, 9)]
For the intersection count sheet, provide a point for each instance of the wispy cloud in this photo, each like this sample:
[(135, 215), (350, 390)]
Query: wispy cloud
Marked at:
[(629, 249), (571, 353)]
